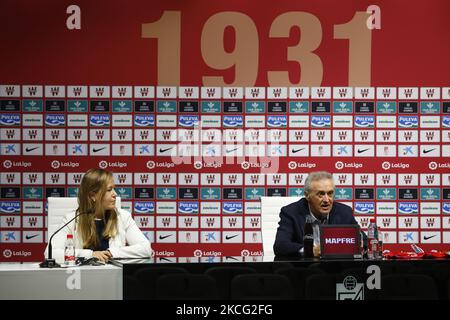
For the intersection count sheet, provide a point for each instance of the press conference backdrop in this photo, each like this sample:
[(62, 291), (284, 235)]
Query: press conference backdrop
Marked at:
[(199, 108)]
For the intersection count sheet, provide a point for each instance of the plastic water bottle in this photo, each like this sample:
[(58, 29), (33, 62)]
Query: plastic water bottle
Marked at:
[(380, 243), (308, 238), (69, 251), (372, 235)]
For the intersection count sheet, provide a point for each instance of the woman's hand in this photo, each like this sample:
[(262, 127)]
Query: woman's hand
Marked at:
[(103, 256)]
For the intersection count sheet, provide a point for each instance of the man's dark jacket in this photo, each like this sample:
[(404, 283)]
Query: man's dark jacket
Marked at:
[(289, 238)]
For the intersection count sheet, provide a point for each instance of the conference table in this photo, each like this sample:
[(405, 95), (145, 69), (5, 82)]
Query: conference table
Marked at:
[(332, 279), (26, 281), (139, 279)]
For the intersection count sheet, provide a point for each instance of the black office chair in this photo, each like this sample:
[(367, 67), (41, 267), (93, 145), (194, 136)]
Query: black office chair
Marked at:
[(407, 287), (186, 287), (320, 287), (224, 276), (146, 278), (260, 286), (297, 277)]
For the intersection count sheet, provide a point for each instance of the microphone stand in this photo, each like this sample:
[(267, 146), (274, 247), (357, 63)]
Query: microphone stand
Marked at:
[(49, 262)]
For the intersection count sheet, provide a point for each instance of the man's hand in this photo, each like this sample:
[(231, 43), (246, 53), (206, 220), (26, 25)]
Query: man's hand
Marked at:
[(103, 256), (316, 250)]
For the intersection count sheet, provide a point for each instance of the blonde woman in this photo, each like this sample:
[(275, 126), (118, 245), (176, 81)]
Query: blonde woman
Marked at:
[(104, 231)]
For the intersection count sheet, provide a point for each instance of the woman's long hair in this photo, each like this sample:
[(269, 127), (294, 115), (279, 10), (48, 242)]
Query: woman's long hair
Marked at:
[(94, 185)]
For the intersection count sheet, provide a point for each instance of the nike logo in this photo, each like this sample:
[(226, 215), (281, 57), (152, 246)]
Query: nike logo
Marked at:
[(163, 237), (427, 151), (31, 149), (363, 150), (297, 150), (228, 151), (165, 259), (428, 238), (31, 237), (231, 237), (164, 150), (231, 258), (99, 149)]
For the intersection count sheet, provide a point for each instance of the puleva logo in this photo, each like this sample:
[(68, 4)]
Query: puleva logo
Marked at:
[(144, 121), (232, 207), (188, 121), (100, 120), (9, 206), (446, 207), (321, 121), (10, 119), (233, 121), (188, 207), (364, 207), (365, 122), (408, 208), (144, 207), (277, 121), (55, 120), (408, 122), (446, 122)]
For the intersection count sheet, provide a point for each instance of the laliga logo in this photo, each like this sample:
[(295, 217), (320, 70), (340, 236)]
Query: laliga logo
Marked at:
[(198, 165), (339, 165), (245, 253), (245, 165), (198, 253), (386, 165), (103, 164), (7, 253), (7, 164), (150, 164), (55, 164), (432, 165), (292, 165)]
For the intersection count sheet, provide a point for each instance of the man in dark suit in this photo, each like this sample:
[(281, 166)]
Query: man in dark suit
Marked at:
[(318, 202)]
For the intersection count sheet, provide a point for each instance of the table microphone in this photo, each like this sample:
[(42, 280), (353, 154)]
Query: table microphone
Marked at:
[(50, 262)]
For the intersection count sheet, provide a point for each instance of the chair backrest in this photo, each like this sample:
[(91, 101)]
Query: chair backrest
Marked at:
[(186, 286), (408, 287), (58, 207), (147, 277), (270, 215), (261, 286), (224, 275)]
